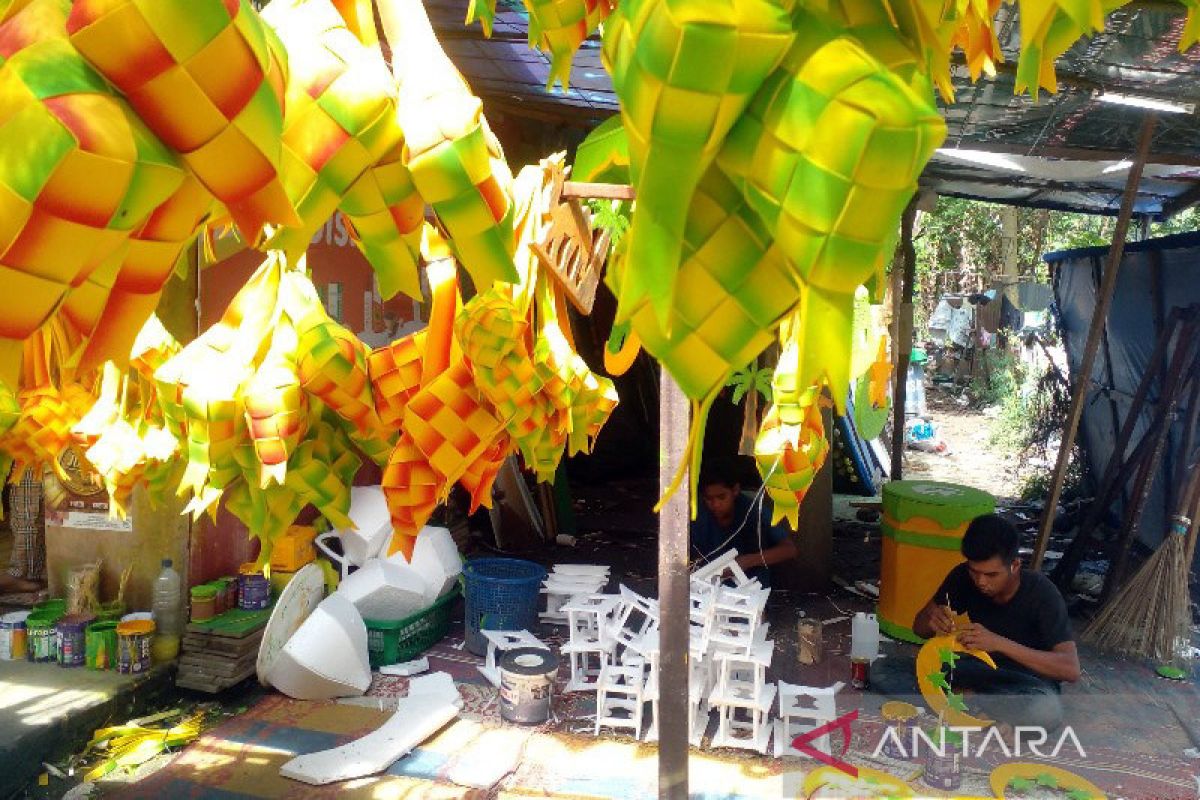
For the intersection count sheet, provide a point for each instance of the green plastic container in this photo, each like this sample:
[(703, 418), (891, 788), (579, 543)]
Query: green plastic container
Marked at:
[(405, 639), (54, 607), (102, 645)]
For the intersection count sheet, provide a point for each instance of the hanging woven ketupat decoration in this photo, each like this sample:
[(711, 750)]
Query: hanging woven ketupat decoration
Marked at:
[(208, 77)]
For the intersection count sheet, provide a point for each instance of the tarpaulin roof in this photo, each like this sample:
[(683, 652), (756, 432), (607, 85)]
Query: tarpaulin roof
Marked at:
[(1070, 145)]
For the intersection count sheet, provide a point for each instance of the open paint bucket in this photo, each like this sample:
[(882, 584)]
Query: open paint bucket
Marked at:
[(527, 684), (12, 635)]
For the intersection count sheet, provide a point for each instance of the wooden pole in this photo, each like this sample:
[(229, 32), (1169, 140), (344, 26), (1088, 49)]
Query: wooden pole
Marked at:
[(1099, 317), (673, 594), (904, 331)]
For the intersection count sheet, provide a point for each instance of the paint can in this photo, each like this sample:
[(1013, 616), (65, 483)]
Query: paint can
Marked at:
[(897, 715), (41, 640), (527, 684), (254, 590), (71, 633), (943, 770), (133, 645), (12, 635), (860, 673)]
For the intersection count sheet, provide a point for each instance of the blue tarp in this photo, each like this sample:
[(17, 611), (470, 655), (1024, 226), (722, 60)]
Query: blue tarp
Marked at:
[(1156, 276)]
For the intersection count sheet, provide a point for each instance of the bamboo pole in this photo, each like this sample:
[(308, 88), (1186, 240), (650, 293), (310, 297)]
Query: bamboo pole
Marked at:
[(1099, 318)]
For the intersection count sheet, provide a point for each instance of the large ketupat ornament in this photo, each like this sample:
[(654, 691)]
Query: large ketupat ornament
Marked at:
[(480, 475), (450, 423), (1049, 28), (939, 652), (153, 252), (412, 489), (684, 71), (828, 155), (455, 160), (734, 289), (340, 121), (79, 172), (208, 77)]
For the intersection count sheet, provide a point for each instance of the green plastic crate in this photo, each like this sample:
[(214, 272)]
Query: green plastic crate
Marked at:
[(405, 639)]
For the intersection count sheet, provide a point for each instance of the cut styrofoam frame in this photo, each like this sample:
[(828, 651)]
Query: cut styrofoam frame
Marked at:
[(427, 708), (327, 656)]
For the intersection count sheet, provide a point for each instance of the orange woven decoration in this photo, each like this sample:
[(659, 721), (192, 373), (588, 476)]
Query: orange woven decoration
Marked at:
[(788, 460), (395, 373), (412, 488), (481, 473), (450, 423)]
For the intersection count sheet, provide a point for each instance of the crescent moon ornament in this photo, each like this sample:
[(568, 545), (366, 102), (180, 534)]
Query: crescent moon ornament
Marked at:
[(937, 652)]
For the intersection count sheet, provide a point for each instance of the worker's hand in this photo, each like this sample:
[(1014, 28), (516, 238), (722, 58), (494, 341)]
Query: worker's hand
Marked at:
[(941, 619), (977, 637)]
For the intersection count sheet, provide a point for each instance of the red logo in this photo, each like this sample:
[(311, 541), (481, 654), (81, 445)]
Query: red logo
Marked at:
[(842, 723)]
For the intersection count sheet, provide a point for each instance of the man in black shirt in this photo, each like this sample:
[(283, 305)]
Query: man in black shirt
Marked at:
[(1017, 616)]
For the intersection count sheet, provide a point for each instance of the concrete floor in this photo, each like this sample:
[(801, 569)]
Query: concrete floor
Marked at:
[(47, 710)]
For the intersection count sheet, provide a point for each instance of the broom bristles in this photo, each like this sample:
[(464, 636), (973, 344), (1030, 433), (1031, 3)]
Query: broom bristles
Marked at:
[(1151, 615)]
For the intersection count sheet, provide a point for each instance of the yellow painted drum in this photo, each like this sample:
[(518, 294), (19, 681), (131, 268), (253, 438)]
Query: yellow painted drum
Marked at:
[(923, 525)]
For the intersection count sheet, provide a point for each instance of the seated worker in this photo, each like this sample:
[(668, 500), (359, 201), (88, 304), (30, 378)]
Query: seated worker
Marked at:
[(1017, 616), (728, 519)]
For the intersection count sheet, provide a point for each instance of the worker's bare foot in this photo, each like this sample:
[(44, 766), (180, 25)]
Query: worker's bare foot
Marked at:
[(12, 585)]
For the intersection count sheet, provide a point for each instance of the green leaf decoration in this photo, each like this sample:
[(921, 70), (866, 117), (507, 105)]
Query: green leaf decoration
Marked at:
[(956, 701), (948, 656), (1079, 794), (617, 336), (1021, 784), (1047, 780), (751, 378), (612, 217), (938, 679)]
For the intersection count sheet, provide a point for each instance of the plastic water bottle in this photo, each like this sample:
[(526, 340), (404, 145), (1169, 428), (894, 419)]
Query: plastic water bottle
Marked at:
[(864, 636), (168, 613)]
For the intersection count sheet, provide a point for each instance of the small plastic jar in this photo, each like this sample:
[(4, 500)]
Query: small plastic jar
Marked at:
[(204, 602)]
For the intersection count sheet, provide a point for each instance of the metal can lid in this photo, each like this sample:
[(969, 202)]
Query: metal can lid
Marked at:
[(135, 627)]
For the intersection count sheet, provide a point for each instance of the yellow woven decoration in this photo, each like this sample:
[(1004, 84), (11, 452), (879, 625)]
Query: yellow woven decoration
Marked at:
[(208, 77), (10, 408), (276, 408), (789, 457), (450, 423), (559, 27), (78, 173), (480, 474), (413, 489), (332, 361), (395, 373), (456, 162), (829, 157), (154, 251), (152, 348), (340, 121), (684, 72), (385, 212)]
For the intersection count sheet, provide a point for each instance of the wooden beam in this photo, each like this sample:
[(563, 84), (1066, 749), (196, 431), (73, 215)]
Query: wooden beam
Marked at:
[(673, 595), (599, 191), (904, 328), (1099, 320), (1078, 153)]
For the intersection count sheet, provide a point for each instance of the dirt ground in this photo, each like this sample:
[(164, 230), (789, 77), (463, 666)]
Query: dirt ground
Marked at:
[(971, 459)]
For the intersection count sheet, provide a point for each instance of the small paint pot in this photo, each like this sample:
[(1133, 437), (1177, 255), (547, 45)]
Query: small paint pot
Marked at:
[(41, 640), (101, 645), (527, 684), (204, 602), (133, 646)]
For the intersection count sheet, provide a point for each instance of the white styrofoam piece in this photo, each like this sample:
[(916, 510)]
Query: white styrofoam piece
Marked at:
[(802, 709), (296, 602), (373, 525), (386, 591), (406, 669), (580, 569), (435, 683), (436, 557), (327, 656), (417, 717), (713, 570)]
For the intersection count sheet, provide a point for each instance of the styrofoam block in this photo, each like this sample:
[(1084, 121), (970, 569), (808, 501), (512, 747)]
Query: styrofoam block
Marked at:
[(406, 668), (580, 569), (372, 525), (498, 642), (386, 591), (417, 717), (327, 656), (436, 557), (438, 684)]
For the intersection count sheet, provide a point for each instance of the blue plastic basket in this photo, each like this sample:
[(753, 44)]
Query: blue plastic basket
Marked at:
[(502, 595)]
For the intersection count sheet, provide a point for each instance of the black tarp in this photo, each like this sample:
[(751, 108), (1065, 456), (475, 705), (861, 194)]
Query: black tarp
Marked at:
[(1156, 276)]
